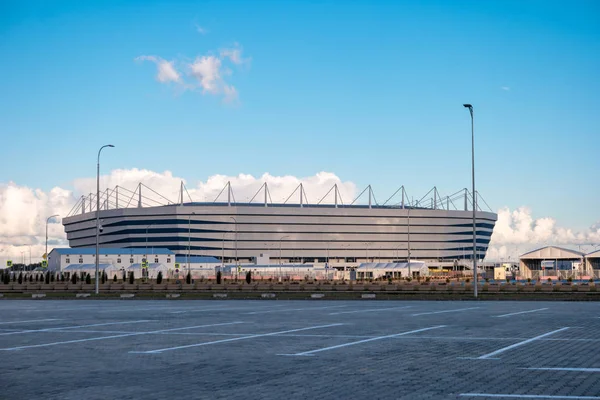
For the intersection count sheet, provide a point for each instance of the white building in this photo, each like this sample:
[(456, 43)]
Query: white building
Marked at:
[(121, 259)]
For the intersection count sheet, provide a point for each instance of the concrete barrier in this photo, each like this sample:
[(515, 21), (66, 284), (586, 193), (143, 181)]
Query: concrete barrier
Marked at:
[(368, 296), (38, 295), (127, 296), (219, 295), (1, 295), (82, 295), (317, 295), (173, 295), (268, 295)]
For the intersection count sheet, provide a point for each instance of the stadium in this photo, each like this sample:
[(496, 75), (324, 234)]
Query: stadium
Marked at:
[(293, 231)]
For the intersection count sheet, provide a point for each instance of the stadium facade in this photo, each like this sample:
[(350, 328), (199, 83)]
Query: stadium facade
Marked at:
[(429, 230)]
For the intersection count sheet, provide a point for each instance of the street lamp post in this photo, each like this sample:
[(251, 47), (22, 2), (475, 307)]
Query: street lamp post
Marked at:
[(98, 215), (470, 107), (48, 220)]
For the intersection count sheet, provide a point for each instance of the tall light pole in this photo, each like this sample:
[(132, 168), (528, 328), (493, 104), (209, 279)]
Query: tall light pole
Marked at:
[(98, 214), (408, 246), (48, 220), (470, 107)]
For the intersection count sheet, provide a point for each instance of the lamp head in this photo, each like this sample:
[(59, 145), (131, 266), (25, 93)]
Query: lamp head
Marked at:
[(110, 145), (467, 106)]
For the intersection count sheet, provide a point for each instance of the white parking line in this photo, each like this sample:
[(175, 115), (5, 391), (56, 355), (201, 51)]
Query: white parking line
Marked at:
[(528, 396), (31, 320), (522, 312), (369, 310), (445, 311), (293, 309), (233, 339), (113, 336), (311, 352), (74, 327), (567, 369), (512, 346)]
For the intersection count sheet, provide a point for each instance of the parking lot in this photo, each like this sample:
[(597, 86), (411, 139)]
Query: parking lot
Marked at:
[(273, 349)]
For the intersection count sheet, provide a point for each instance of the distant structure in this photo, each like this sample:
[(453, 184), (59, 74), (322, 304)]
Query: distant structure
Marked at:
[(432, 228)]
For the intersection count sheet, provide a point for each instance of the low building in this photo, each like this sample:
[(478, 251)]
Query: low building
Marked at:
[(413, 269), (552, 261), (120, 258), (592, 263)]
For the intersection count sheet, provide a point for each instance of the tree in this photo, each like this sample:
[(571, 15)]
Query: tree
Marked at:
[(62, 277), (159, 277), (115, 278), (52, 277), (218, 277), (14, 277), (47, 277), (104, 277), (188, 278), (248, 277), (20, 280), (88, 279), (30, 278), (74, 278), (6, 278), (131, 278), (124, 277)]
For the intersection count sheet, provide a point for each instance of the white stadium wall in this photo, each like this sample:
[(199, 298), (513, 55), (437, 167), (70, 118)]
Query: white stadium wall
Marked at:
[(312, 233)]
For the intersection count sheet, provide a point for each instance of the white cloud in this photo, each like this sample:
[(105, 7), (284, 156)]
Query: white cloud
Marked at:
[(166, 69), (234, 54), (517, 231), (207, 72)]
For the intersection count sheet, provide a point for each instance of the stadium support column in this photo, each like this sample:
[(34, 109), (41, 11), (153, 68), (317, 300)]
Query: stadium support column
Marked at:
[(98, 214), (470, 107)]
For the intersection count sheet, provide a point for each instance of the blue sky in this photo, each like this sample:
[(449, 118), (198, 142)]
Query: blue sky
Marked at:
[(371, 90)]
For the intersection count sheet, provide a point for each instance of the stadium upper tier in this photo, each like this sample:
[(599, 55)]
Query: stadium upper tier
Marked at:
[(293, 232)]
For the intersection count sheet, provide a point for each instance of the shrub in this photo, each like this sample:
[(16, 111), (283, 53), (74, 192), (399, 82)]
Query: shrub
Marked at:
[(389, 281), (467, 280), (487, 280), (131, 280), (427, 279), (74, 278), (20, 280), (591, 280), (447, 280), (188, 278), (218, 277), (569, 279), (14, 277), (6, 278), (52, 277), (103, 277), (528, 280), (159, 277), (37, 278), (88, 279), (30, 278), (507, 279), (115, 278), (47, 280), (124, 277), (248, 277), (549, 280)]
